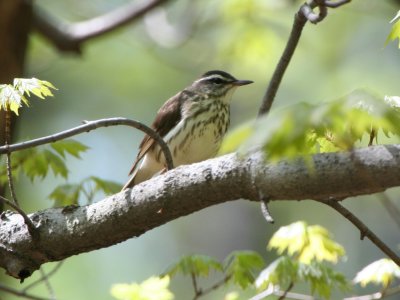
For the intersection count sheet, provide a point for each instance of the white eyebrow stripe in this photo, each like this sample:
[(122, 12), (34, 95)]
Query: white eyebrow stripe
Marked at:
[(214, 76)]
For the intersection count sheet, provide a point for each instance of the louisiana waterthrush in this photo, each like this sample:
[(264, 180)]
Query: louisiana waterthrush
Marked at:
[(192, 123)]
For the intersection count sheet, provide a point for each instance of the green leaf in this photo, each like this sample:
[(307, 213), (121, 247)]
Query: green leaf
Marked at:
[(240, 265), (285, 271), (282, 271), (35, 165), (154, 288), (71, 147), (56, 163), (304, 129), (66, 194), (382, 272), (395, 32), (322, 278), (105, 186), (236, 138), (198, 265), (306, 243)]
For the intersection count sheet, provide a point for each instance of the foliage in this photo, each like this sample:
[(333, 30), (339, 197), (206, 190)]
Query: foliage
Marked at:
[(307, 248), (154, 288), (36, 162), (382, 272), (395, 32), (307, 129), (69, 194), (13, 96), (198, 265), (240, 265), (306, 243)]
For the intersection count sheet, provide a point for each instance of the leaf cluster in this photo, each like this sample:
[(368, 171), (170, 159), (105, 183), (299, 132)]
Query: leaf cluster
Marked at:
[(307, 248), (304, 129), (238, 267), (12, 96)]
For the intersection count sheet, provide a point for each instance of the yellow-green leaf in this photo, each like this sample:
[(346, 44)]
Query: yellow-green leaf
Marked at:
[(382, 272), (154, 288), (395, 32), (306, 243)]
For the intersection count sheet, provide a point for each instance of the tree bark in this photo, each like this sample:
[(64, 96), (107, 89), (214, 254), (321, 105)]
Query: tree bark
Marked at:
[(68, 231)]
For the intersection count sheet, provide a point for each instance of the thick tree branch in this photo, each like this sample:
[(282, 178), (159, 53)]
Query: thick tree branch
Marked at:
[(70, 37), (72, 230)]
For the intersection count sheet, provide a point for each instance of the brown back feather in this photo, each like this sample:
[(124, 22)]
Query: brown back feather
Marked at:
[(167, 117)]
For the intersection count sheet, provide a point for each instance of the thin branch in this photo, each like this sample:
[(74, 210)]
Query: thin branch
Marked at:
[(31, 227), (89, 126), (48, 275), (300, 19), (391, 209), (215, 285), (285, 292), (20, 293), (365, 231), (47, 284), (70, 37), (197, 292)]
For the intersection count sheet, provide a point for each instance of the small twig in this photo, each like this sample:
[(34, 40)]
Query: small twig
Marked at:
[(304, 13), (365, 231), (20, 293), (47, 283), (89, 126), (48, 275), (215, 285), (285, 292), (70, 37), (197, 292), (264, 200), (31, 227), (392, 209)]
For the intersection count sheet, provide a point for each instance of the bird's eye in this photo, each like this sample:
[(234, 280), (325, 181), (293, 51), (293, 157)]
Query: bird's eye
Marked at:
[(217, 80)]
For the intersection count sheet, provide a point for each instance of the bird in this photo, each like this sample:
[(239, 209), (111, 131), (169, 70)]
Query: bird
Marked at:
[(192, 123)]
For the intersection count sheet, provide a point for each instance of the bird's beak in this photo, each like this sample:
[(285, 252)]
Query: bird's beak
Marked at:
[(241, 82)]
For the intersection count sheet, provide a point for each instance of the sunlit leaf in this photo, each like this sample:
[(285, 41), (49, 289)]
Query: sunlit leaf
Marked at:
[(40, 88), (199, 265), (304, 129), (232, 296), (241, 265), (395, 32), (306, 243), (382, 271), (71, 147), (12, 96), (154, 288)]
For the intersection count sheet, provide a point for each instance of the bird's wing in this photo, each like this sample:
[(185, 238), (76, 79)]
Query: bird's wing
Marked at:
[(167, 117)]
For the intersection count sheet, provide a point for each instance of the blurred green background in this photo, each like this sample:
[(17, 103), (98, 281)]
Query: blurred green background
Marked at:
[(132, 71)]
